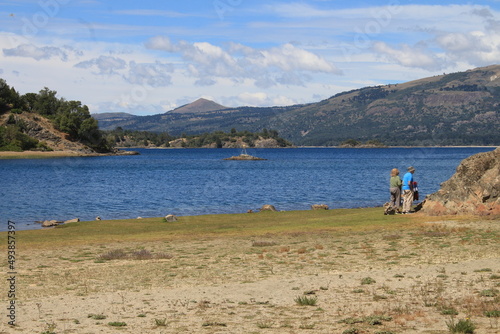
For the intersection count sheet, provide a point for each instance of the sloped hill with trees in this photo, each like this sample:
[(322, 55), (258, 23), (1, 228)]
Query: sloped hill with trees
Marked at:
[(454, 109), (41, 121), (217, 139), (451, 109)]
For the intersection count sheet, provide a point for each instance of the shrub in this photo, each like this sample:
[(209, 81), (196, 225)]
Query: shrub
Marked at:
[(489, 293), (115, 254), (117, 324), (368, 280), (492, 314), (142, 255), (160, 322), (306, 300), (263, 243), (97, 316), (465, 326)]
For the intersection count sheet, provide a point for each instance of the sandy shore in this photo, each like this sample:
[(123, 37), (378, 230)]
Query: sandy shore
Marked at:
[(406, 281)]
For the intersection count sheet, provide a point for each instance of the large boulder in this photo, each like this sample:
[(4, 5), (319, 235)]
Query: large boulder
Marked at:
[(171, 218), (51, 223), (473, 189)]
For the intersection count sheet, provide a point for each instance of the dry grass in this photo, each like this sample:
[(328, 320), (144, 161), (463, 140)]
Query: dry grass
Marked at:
[(221, 281)]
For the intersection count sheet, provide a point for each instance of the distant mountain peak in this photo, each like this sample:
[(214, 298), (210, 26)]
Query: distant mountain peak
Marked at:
[(200, 105)]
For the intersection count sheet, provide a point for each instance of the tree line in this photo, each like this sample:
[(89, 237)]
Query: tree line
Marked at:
[(123, 138), (71, 117)]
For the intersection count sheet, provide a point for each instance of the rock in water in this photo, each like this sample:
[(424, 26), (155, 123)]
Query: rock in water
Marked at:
[(244, 157), (473, 189)]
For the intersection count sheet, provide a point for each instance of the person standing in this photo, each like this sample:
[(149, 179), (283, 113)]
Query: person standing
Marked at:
[(408, 190), (395, 189)]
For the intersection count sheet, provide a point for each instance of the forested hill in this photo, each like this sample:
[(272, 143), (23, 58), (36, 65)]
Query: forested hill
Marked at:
[(41, 121), (451, 109)]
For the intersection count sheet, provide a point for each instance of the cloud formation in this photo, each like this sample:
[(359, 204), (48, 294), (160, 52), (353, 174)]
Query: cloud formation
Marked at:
[(152, 74), (409, 56), (285, 64), (37, 53), (104, 65)]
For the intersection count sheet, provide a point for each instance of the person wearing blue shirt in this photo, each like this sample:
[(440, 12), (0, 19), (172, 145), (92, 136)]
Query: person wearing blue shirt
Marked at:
[(408, 190)]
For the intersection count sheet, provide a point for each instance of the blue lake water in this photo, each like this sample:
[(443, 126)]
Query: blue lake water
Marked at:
[(197, 181)]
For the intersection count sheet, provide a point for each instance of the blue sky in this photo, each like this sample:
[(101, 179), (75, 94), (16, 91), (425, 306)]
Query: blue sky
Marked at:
[(148, 57)]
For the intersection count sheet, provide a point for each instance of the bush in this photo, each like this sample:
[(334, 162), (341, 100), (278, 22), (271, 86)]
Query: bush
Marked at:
[(368, 280), (465, 326), (306, 301)]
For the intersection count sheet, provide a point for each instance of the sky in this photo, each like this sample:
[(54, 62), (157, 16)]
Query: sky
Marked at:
[(148, 57)]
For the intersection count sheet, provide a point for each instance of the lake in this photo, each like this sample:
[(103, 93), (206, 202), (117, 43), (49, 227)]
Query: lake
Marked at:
[(198, 181)]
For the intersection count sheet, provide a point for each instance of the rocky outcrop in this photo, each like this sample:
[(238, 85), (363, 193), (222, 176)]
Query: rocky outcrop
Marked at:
[(43, 130), (473, 189)]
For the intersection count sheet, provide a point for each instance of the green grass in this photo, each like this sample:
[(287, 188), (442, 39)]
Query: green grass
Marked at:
[(223, 225), (306, 301)]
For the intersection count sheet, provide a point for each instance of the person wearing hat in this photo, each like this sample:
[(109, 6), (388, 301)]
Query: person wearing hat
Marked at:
[(408, 190)]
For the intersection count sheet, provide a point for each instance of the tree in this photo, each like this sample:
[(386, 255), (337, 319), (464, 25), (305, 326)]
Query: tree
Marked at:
[(46, 103)]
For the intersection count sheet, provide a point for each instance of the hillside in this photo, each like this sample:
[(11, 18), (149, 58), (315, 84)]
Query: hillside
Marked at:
[(43, 122), (43, 133), (454, 109), (451, 109)]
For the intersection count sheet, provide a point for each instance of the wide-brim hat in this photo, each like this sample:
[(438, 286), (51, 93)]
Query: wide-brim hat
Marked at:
[(411, 169)]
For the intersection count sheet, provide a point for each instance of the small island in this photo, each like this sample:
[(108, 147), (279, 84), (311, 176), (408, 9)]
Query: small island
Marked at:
[(244, 157)]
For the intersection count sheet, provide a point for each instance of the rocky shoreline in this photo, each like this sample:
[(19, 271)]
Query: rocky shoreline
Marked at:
[(60, 154)]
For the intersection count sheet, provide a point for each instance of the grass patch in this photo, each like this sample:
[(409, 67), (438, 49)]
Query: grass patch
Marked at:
[(117, 324), (214, 324), (207, 226), (161, 322), (465, 326), (306, 301), (489, 293), (368, 280)]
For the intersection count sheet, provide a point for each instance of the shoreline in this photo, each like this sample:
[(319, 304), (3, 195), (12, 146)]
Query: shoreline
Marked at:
[(58, 154), (122, 151)]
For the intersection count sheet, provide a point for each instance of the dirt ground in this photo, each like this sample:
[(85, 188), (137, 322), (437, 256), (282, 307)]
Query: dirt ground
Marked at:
[(420, 280)]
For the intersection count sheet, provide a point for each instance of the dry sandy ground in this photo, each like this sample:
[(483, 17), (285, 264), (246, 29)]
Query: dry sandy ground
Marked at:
[(421, 279)]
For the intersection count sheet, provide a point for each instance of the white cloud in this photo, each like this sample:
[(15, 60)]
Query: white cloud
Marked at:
[(37, 53), (409, 56), (103, 64), (285, 64), (161, 43), (264, 99), (476, 47), (153, 74)]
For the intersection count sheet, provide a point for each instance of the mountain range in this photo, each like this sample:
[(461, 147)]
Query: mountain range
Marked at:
[(459, 108)]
